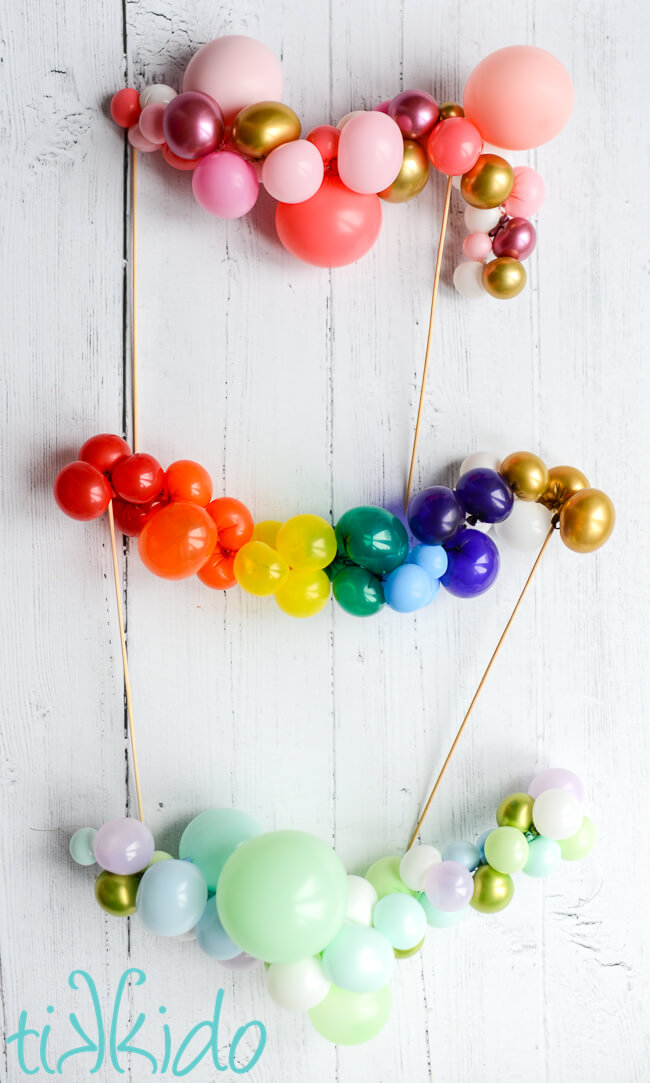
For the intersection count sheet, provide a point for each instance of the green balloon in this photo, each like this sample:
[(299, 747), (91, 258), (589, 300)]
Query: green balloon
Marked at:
[(358, 591), (160, 855), (346, 1018), (580, 844), (337, 565), (212, 836), (385, 878), (373, 538), (282, 896), (506, 849)]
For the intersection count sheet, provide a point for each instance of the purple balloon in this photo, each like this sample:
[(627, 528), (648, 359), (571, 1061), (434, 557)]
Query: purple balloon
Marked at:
[(415, 112), (485, 495), (516, 238), (125, 846), (193, 125), (449, 886), (241, 962), (435, 515), (473, 564), (557, 778)]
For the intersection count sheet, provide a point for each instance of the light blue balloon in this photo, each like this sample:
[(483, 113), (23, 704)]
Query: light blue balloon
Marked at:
[(401, 919), (212, 836), (433, 558), (465, 853), (441, 919), (409, 588), (480, 845), (211, 935), (544, 855), (359, 959), (81, 846), (171, 897)]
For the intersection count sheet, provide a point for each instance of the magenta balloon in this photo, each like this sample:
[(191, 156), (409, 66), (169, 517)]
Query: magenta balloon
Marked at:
[(124, 845), (193, 125), (449, 886), (415, 112), (557, 778), (516, 238), (225, 185)]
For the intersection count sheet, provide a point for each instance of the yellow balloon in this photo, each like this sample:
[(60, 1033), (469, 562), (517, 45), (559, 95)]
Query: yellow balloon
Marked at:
[(412, 176), (304, 593), (492, 890), (488, 183), (516, 810), (563, 482), (587, 520), (504, 277), (307, 542), (258, 129), (267, 531), (116, 893), (259, 569), (525, 473)]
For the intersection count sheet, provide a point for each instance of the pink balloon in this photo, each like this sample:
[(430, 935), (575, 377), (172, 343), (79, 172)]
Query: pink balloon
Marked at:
[(519, 97), (454, 145), (527, 193), (137, 140), (293, 172), (151, 122), (477, 247), (225, 185), (236, 71), (370, 152), (383, 106), (193, 125)]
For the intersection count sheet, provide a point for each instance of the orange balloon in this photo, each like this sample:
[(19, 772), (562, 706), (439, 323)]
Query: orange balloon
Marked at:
[(233, 520), (217, 572), (188, 481), (177, 541)]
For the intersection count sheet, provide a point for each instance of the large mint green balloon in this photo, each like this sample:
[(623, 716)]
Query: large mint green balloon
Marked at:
[(212, 836), (373, 538), (282, 896), (346, 1018)]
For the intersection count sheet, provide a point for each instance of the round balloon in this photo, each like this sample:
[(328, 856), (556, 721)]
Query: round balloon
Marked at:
[(123, 845), (211, 935), (347, 1018), (293, 172), (359, 959), (298, 986), (236, 71), (212, 836), (374, 538), (473, 564), (358, 591), (335, 227), (225, 185), (171, 897), (177, 540), (370, 152)]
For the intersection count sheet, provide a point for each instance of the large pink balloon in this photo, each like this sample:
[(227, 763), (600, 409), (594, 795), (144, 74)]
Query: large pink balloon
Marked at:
[(236, 71), (519, 97), (371, 151), (293, 172), (225, 185)]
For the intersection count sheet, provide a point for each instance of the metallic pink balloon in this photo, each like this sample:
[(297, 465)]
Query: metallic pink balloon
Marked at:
[(415, 112), (516, 238), (193, 125)]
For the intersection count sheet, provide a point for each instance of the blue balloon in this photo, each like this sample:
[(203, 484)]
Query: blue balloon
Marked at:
[(433, 558), (480, 845), (409, 588), (171, 897), (543, 856), (485, 495), (358, 959), (211, 935), (442, 919), (473, 564), (465, 853), (435, 515)]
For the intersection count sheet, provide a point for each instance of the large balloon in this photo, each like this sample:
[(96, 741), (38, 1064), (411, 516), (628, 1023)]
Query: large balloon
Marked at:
[(236, 71), (370, 152), (212, 836), (333, 228), (347, 1018), (177, 541)]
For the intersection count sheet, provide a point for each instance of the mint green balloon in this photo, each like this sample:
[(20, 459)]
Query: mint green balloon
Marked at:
[(81, 846), (346, 1018), (506, 849), (211, 837), (580, 844), (282, 896), (385, 878), (441, 919), (544, 855)]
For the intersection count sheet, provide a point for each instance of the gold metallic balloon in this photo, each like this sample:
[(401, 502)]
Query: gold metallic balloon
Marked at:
[(116, 893), (412, 177), (504, 277), (492, 890), (450, 109), (587, 520), (563, 482), (525, 473), (258, 129), (488, 183), (409, 951), (516, 810)]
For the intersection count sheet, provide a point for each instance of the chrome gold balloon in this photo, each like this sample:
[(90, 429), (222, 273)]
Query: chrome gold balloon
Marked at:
[(450, 109), (412, 177), (587, 520), (488, 183), (504, 277), (406, 954), (516, 810), (525, 473), (492, 890), (258, 129), (116, 893), (563, 482)]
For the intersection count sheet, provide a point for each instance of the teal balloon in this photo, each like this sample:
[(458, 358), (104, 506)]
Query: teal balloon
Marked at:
[(440, 919), (346, 1018), (211, 935), (81, 846), (171, 897), (212, 836), (544, 855), (373, 538), (282, 896), (358, 591), (401, 920), (359, 959)]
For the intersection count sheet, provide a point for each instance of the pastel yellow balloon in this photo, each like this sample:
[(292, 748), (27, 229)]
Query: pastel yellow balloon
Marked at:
[(525, 473), (412, 176), (258, 129), (267, 531), (259, 569), (304, 592), (307, 542), (563, 482), (587, 520)]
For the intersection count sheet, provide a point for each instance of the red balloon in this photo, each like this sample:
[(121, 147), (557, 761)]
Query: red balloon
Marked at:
[(138, 479), (131, 519), (454, 145), (189, 481), (177, 541), (81, 491), (333, 228), (104, 451), (233, 521), (217, 572), (125, 107), (326, 140)]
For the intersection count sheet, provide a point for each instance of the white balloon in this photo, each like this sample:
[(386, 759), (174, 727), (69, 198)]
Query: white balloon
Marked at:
[(297, 986), (156, 94), (478, 220), (361, 899), (557, 814), (468, 281), (526, 526), (480, 460), (348, 116), (415, 865)]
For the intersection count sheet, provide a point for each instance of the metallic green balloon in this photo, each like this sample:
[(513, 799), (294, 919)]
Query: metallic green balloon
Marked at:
[(516, 810), (385, 878), (492, 890), (212, 836), (373, 538), (506, 849), (116, 893), (358, 591), (580, 844), (346, 1018)]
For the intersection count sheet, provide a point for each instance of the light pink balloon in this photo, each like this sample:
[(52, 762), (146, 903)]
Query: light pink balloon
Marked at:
[(138, 141), (151, 122), (236, 71), (225, 185), (371, 149), (293, 172), (477, 247), (527, 193)]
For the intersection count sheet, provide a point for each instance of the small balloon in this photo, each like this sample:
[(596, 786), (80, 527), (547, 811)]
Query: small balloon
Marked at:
[(488, 182), (370, 152), (481, 220), (412, 177), (465, 853), (293, 172), (138, 141), (435, 514), (477, 247), (409, 588), (123, 845), (138, 479), (451, 109), (416, 863), (212, 836), (171, 897), (258, 129), (516, 238), (503, 278), (432, 558), (557, 814), (188, 481), (104, 451), (454, 146), (303, 593), (525, 473), (528, 192), (473, 564), (326, 140), (526, 527), (81, 846), (266, 531), (125, 107), (441, 919), (212, 938), (176, 542), (563, 482), (401, 919), (358, 591), (156, 94), (557, 778), (485, 495), (506, 849), (225, 185), (307, 542), (581, 843), (347, 1018), (480, 460), (151, 123), (587, 520), (298, 986), (449, 886), (492, 890), (468, 280), (374, 538), (116, 893), (193, 125), (384, 875), (415, 112), (516, 810), (259, 569), (359, 959), (82, 492), (544, 856), (131, 519)]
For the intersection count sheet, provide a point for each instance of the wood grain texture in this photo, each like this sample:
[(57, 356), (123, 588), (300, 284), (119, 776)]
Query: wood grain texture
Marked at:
[(298, 389)]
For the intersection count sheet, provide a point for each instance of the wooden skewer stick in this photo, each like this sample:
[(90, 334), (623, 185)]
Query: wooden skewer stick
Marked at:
[(481, 684), (427, 354), (134, 298)]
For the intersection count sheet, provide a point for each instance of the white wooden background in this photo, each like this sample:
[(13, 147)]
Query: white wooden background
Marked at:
[(298, 388)]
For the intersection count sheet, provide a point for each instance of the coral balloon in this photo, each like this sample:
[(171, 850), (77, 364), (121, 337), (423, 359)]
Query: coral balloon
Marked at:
[(528, 192), (177, 541), (193, 125), (125, 107), (370, 153), (333, 228), (225, 185), (587, 520), (236, 71), (81, 491), (188, 481), (184, 165), (293, 172), (104, 451), (454, 145), (326, 139)]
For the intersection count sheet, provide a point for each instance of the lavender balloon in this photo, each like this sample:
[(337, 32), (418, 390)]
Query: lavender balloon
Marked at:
[(415, 112), (124, 846), (557, 778), (473, 564), (193, 125), (517, 238), (449, 886), (244, 961)]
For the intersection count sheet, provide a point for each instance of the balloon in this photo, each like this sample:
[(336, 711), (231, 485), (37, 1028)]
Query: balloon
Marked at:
[(81, 491), (333, 228), (293, 172), (480, 460), (177, 541), (587, 520), (454, 145), (503, 278), (557, 814), (218, 572), (212, 836), (401, 919), (481, 219), (188, 481), (258, 129), (557, 778), (358, 591), (370, 152), (130, 519), (581, 843), (409, 588), (259, 569), (563, 482), (384, 876), (104, 451), (506, 849), (116, 893), (543, 856), (233, 521), (156, 94), (185, 165), (225, 185), (488, 182), (211, 935), (473, 564), (383, 107), (519, 97), (477, 247), (361, 900), (124, 845), (492, 890), (441, 919), (410, 952), (480, 844), (151, 122), (299, 986), (525, 473), (526, 527), (326, 140), (303, 593), (243, 961), (346, 1018), (516, 810), (468, 280), (448, 886), (464, 853), (125, 107), (373, 538), (307, 542), (160, 855), (267, 531), (81, 846), (485, 495), (138, 478), (412, 177), (236, 71), (435, 515), (359, 959), (282, 896), (528, 191), (139, 142), (348, 116), (415, 112), (433, 558), (415, 865), (171, 897), (515, 238)]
